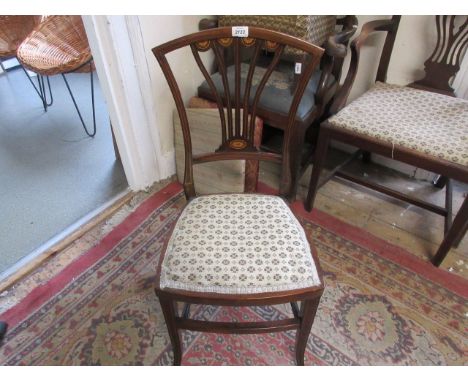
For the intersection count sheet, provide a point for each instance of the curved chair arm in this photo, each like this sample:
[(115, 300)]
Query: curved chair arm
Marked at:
[(386, 25), (336, 45), (335, 52)]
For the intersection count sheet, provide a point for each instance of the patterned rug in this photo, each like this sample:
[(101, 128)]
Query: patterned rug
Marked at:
[(381, 305)]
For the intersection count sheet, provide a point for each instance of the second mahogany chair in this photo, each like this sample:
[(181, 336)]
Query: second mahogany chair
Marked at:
[(421, 124), (238, 249)]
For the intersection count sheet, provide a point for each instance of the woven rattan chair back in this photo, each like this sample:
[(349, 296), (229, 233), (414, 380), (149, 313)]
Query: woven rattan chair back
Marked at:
[(238, 119), (13, 30), (58, 45)]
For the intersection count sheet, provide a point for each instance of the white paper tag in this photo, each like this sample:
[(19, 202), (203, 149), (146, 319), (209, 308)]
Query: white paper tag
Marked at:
[(240, 31), (298, 68)]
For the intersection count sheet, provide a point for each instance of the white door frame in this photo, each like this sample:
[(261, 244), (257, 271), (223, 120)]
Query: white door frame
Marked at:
[(118, 50)]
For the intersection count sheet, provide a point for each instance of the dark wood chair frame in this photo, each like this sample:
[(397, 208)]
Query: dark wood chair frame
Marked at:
[(454, 231), (237, 143), (335, 50)]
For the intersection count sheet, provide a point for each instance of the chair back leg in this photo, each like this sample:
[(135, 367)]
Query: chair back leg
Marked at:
[(319, 159), (458, 227)]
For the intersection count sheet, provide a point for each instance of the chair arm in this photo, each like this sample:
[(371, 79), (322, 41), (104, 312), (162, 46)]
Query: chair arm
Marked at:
[(335, 51), (388, 25), (336, 44), (205, 24)]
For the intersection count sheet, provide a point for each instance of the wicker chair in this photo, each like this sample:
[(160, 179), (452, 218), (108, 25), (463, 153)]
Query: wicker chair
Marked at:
[(13, 31), (59, 46)]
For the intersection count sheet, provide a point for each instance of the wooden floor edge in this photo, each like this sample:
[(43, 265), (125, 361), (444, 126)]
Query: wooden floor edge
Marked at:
[(64, 243)]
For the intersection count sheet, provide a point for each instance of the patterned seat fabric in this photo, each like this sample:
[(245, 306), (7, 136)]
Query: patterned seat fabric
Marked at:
[(238, 244), (314, 29), (430, 123)]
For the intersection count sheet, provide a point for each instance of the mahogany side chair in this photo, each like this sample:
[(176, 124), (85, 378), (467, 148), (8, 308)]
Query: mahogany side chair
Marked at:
[(421, 124), (238, 249)]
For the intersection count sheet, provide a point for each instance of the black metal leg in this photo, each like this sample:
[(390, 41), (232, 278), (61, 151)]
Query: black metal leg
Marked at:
[(296, 161), (92, 103), (40, 89)]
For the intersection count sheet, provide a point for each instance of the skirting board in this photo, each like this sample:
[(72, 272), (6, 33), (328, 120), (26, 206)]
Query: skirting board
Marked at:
[(60, 241)]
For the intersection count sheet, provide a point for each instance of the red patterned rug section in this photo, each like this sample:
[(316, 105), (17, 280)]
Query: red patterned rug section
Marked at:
[(381, 305)]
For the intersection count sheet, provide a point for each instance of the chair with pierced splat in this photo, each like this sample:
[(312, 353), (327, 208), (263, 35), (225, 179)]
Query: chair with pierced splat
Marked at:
[(238, 249)]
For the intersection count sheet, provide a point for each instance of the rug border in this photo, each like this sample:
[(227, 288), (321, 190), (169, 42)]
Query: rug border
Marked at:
[(40, 294)]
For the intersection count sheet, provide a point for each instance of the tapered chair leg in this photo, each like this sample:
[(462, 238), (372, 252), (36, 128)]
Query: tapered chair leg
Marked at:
[(307, 314), (170, 314), (319, 160)]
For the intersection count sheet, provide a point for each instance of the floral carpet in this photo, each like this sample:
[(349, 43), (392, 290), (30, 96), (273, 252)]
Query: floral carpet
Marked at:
[(381, 305)]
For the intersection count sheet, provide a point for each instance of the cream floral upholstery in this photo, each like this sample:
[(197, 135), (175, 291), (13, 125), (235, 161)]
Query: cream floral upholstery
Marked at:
[(238, 244), (427, 122), (314, 29)]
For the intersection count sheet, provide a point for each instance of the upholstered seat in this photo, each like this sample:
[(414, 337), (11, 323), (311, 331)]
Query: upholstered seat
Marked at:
[(430, 123), (238, 244), (277, 95)]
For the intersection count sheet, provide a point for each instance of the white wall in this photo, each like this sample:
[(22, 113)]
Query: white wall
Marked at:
[(156, 30)]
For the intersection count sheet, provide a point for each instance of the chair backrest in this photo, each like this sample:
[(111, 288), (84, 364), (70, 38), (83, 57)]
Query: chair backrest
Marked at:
[(237, 128), (440, 67), (388, 25), (57, 45), (13, 30), (444, 62)]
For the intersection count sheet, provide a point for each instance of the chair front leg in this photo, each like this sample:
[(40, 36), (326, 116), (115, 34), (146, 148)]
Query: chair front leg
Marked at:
[(307, 315), (169, 309), (319, 159)]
